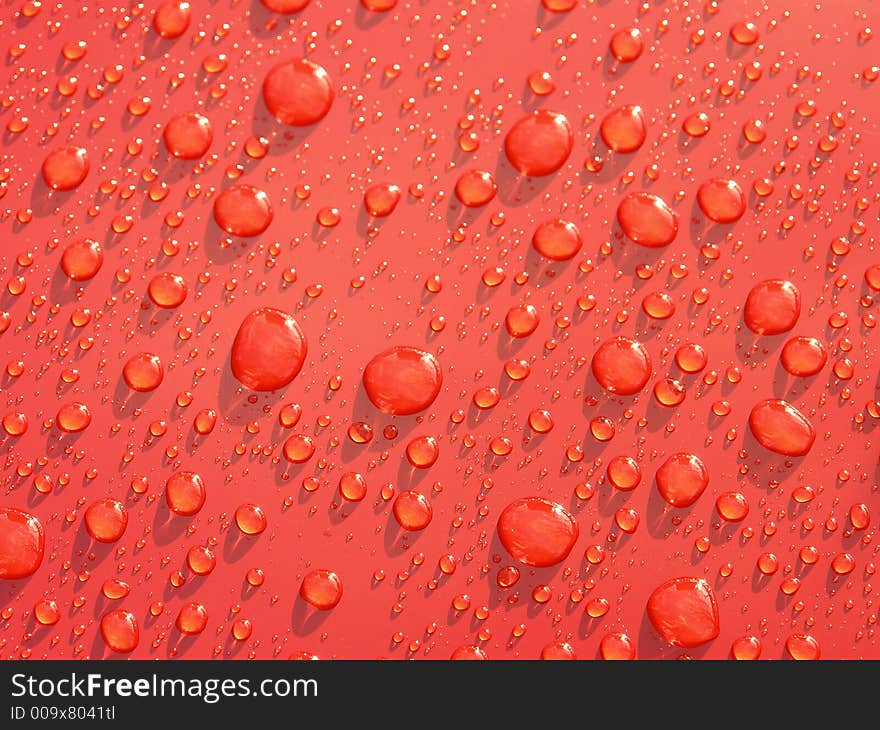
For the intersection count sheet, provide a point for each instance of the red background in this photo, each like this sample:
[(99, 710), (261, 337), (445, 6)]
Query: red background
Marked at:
[(806, 53)]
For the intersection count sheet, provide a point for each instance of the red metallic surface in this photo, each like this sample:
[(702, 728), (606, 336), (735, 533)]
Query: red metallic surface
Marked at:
[(423, 93)]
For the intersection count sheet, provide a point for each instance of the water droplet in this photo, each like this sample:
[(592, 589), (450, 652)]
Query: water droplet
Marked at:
[(82, 259), (624, 473), (803, 356), (768, 563), (627, 45), (119, 629), (617, 647), (860, 516), (521, 320), (682, 479), (143, 372), (658, 305), (802, 647), (780, 427), (106, 520), (475, 188), (352, 486), (507, 577), (250, 519), (243, 210), (201, 560), (268, 351), (205, 421), (46, 612), (624, 129), (621, 366), (321, 589), (15, 424), (540, 143), (744, 32), (22, 542), (746, 648), (422, 452), (73, 417), (412, 510), (185, 493), (691, 358), (403, 380), (466, 653), (241, 629), (541, 83), (191, 619), (697, 125), (298, 449), (669, 392), (843, 563), (772, 307), (721, 200), (557, 239), (188, 136), (558, 651), (732, 506), (285, 6), (381, 200), (66, 168), (298, 92), (537, 532), (540, 421), (172, 18), (684, 612), (647, 220)]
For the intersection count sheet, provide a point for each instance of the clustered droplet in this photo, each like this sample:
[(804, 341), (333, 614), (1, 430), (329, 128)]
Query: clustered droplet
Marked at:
[(554, 343)]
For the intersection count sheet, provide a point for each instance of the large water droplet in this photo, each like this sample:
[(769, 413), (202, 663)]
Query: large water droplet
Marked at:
[(624, 129), (647, 220), (188, 136), (243, 210), (66, 168), (540, 143), (298, 92), (622, 366), (537, 532), (557, 239), (772, 307), (322, 589), (402, 380), (120, 632), (684, 612), (780, 427), (106, 520), (185, 493), (681, 479), (21, 543), (268, 351)]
